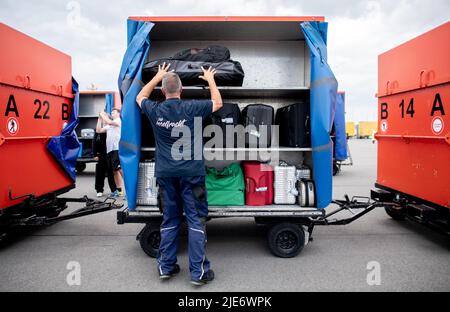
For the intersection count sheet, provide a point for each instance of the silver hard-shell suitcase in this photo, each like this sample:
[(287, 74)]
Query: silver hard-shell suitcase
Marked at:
[(303, 173), (306, 194), (147, 191), (87, 133), (285, 191)]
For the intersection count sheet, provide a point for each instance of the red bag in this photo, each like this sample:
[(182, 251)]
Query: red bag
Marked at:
[(258, 184)]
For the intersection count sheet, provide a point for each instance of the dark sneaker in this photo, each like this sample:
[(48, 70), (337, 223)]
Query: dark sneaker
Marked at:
[(207, 277), (172, 273)]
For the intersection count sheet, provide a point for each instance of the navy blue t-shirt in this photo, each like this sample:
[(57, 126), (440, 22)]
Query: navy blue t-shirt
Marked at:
[(177, 125)]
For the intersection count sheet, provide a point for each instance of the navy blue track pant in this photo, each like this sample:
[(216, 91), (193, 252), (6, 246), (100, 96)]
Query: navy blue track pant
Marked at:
[(176, 195)]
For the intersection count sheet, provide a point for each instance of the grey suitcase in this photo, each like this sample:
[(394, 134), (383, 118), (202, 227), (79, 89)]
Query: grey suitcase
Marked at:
[(303, 173), (306, 194), (147, 191), (285, 191), (259, 120), (87, 133)]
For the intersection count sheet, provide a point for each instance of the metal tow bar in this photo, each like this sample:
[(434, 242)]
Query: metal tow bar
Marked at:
[(361, 204), (92, 206)]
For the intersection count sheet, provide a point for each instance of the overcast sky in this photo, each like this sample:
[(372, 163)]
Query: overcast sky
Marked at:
[(358, 32)]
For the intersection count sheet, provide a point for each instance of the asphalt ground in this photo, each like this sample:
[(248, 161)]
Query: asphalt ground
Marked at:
[(395, 256)]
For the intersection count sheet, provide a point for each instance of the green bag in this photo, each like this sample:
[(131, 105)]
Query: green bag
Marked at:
[(225, 187)]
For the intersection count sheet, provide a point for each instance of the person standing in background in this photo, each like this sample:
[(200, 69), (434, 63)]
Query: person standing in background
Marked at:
[(112, 129), (102, 168)]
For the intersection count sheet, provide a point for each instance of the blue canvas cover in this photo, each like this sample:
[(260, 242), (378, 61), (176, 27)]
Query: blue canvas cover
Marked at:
[(65, 148), (323, 102), (130, 85), (109, 99), (340, 148)]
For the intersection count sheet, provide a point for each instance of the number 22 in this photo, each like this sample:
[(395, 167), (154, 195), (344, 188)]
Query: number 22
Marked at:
[(37, 114)]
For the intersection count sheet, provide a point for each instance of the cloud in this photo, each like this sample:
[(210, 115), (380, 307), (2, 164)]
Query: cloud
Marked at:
[(358, 32)]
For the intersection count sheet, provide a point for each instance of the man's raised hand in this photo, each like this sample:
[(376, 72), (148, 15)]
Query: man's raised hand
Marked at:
[(162, 70), (208, 74)]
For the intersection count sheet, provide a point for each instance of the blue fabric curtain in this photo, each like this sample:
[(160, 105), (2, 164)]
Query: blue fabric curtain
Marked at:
[(323, 102), (109, 99), (65, 148), (340, 150), (130, 85)]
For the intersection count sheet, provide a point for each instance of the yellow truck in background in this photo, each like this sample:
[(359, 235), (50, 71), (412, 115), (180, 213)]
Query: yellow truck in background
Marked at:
[(350, 129), (366, 129)]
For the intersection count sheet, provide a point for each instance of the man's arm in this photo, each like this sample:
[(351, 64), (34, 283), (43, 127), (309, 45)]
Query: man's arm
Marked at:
[(99, 128), (149, 87), (108, 120), (216, 98)]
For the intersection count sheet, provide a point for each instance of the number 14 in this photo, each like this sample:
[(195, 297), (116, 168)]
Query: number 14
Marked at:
[(410, 110)]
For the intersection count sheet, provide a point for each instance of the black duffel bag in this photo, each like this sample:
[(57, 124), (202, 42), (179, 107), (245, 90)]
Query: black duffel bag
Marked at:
[(187, 64), (210, 54), (228, 73)]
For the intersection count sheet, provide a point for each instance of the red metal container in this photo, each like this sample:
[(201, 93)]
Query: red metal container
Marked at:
[(35, 103), (414, 118), (258, 184)]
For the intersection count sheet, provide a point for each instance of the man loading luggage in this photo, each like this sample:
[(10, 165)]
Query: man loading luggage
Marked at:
[(181, 181)]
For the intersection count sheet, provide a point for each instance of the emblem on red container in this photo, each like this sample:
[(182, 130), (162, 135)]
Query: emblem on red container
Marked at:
[(437, 125), (12, 126)]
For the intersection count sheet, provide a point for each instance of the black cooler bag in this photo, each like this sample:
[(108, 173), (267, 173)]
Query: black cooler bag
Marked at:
[(258, 116), (294, 125), (147, 135), (187, 64), (228, 115)]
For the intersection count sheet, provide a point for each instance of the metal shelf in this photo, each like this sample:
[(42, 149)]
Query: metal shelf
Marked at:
[(264, 149), (247, 149), (86, 160), (280, 208), (240, 92), (87, 116), (226, 31), (239, 211)]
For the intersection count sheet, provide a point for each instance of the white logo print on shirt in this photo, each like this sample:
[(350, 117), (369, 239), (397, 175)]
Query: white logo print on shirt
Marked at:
[(170, 124)]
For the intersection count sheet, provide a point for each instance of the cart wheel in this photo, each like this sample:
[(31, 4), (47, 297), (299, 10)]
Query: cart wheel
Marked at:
[(149, 238), (394, 214), (336, 168), (286, 240), (80, 167)]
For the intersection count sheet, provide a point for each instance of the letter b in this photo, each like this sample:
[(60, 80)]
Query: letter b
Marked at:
[(65, 111), (384, 111)]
